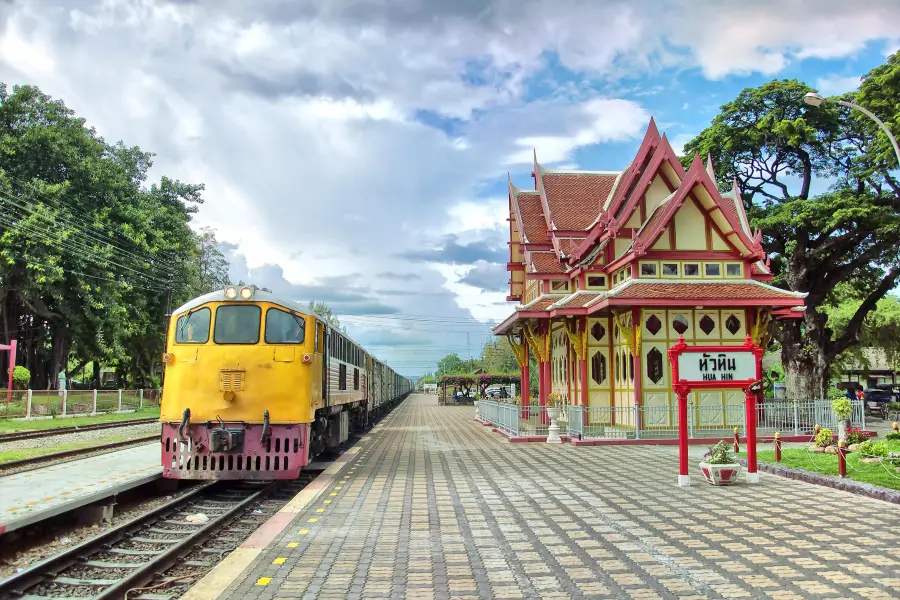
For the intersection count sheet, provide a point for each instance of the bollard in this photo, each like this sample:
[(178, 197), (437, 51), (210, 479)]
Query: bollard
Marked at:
[(777, 447), (737, 448), (842, 458), (816, 430), (895, 426)]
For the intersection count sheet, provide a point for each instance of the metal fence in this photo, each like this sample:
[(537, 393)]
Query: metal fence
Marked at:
[(661, 422), (33, 404)]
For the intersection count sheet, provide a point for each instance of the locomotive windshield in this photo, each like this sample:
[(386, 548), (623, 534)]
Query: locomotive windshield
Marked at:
[(237, 324), (283, 327), (193, 328)]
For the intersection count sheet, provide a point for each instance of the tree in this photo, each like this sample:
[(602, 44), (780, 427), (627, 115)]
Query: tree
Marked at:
[(776, 147), (497, 357), (324, 311), (880, 329), (212, 266), (88, 253), (450, 364)]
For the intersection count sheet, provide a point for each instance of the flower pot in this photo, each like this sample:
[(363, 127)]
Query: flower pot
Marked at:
[(553, 430), (553, 412), (722, 474)]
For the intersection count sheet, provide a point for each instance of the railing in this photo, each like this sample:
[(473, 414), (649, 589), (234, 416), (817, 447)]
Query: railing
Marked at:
[(661, 422), (35, 404)]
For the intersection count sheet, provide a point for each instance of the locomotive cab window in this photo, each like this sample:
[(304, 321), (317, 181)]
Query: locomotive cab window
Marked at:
[(283, 327), (237, 324), (193, 328)]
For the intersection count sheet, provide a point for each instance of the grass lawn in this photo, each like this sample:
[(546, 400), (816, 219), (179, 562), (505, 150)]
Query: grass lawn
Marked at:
[(874, 473), (9, 425), (11, 455)]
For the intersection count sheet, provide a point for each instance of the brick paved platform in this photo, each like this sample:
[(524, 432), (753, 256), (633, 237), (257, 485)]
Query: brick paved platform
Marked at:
[(435, 506)]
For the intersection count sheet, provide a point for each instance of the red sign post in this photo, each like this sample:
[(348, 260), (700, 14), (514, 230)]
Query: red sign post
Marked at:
[(12, 365), (715, 367)]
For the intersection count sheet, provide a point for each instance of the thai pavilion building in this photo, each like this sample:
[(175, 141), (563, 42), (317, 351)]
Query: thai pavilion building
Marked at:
[(609, 268)]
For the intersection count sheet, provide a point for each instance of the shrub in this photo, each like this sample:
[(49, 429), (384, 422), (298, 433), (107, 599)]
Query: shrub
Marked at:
[(855, 436), (824, 438), (21, 378), (720, 454), (872, 448), (893, 436), (842, 408)]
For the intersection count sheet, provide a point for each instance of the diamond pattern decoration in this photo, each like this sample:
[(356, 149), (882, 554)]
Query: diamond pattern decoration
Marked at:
[(597, 331), (598, 368), (680, 324), (655, 365), (653, 324), (733, 324), (707, 325)]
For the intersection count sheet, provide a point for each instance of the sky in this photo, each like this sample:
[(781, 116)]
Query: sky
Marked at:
[(356, 151)]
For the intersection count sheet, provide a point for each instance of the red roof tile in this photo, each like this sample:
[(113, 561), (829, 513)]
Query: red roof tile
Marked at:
[(704, 291), (543, 303), (533, 221), (569, 245), (575, 200), (581, 300), (544, 262)]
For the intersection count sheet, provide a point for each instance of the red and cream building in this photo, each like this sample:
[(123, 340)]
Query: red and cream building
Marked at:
[(609, 268)]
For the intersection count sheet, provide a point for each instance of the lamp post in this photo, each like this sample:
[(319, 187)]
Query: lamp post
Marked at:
[(816, 99)]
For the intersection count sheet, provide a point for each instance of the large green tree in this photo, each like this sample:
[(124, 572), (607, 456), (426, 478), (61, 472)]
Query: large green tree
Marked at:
[(89, 254), (780, 149)]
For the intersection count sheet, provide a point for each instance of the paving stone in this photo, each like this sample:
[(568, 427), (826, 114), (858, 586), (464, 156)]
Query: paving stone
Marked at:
[(437, 507)]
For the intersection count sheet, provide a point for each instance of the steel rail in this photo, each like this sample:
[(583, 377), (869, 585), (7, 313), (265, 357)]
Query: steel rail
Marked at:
[(77, 452), (28, 435), (16, 585)]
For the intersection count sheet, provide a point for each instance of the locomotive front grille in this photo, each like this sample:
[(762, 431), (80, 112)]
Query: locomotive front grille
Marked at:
[(231, 380)]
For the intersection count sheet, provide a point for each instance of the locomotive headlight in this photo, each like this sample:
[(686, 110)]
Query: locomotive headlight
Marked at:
[(246, 293), (231, 293)]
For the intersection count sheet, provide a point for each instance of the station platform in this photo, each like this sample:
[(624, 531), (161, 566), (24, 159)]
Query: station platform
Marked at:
[(32, 496), (430, 504)]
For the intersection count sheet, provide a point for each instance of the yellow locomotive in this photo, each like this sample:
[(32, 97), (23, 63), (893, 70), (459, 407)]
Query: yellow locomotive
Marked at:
[(256, 387)]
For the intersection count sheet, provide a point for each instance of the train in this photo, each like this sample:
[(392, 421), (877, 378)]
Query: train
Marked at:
[(257, 386)]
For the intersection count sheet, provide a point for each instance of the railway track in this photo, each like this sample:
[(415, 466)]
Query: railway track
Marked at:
[(160, 554), (28, 435), (16, 464)]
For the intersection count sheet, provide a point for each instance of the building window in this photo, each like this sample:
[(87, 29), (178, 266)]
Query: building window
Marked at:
[(598, 368), (733, 324), (628, 272), (707, 325), (559, 286), (597, 331), (680, 324), (630, 367), (692, 269), (596, 281), (649, 269), (733, 270), (670, 269), (655, 365), (713, 269), (653, 324)]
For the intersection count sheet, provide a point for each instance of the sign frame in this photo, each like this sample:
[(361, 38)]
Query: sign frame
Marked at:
[(682, 387)]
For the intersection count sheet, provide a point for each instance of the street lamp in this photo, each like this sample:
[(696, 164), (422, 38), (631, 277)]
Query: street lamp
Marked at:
[(816, 99)]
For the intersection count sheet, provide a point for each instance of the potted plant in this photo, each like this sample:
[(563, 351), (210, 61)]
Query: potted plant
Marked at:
[(842, 410), (718, 466)]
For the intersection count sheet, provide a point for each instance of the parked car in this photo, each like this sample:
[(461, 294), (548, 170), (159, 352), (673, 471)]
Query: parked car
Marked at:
[(497, 393), (892, 389)]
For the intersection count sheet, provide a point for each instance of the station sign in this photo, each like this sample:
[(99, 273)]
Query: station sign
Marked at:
[(703, 365)]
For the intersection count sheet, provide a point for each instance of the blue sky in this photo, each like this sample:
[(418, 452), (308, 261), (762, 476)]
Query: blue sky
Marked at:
[(356, 151)]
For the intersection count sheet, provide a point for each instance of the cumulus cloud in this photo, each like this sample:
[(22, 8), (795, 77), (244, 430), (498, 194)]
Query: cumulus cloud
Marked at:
[(491, 277), (835, 85), (339, 140)]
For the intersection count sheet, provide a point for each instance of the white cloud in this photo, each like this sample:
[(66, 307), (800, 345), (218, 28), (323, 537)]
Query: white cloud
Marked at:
[(834, 85), (678, 141), (305, 119)]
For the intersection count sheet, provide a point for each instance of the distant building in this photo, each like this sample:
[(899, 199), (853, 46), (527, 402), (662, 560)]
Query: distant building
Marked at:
[(609, 268)]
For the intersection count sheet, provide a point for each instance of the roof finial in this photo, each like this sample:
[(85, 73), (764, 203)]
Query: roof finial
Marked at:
[(709, 166)]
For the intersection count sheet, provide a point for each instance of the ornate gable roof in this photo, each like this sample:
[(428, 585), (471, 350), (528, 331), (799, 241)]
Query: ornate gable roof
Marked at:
[(574, 199)]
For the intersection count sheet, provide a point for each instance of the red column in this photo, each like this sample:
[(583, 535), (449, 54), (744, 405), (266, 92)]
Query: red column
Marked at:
[(525, 383), (684, 477), (752, 475), (12, 366), (545, 385)]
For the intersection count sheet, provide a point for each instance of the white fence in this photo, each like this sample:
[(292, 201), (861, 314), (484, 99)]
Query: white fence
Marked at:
[(659, 422), (36, 404)]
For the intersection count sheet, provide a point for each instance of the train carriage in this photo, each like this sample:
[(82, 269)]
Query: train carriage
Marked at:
[(257, 386)]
